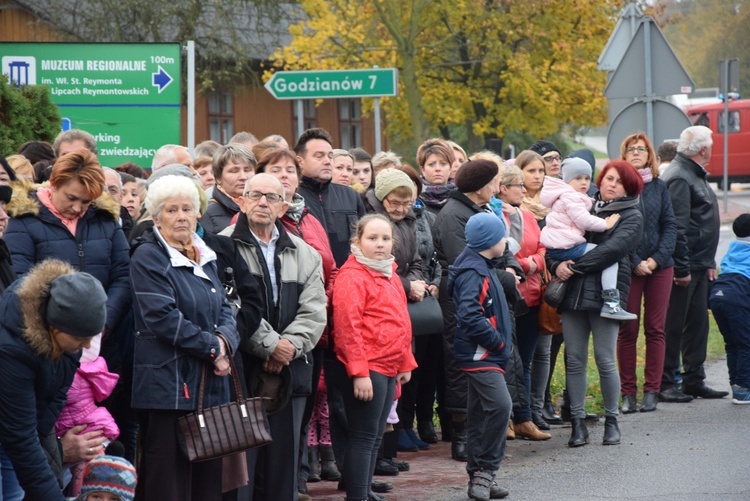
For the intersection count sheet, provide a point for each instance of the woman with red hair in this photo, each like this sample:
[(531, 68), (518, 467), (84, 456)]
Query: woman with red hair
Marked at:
[(619, 189)]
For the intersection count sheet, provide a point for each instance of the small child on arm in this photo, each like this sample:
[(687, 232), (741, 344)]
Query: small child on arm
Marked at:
[(569, 219)]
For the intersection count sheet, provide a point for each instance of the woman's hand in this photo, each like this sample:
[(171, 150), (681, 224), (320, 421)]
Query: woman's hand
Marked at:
[(643, 269), (611, 220), (78, 446), (221, 364), (417, 290), (362, 388), (563, 271), (403, 377), (532, 264), (434, 290)]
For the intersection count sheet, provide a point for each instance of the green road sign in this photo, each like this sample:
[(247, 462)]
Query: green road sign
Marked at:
[(377, 82), (126, 95)]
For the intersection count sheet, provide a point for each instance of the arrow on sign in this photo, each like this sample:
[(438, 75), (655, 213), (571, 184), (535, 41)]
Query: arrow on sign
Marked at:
[(161, 79)]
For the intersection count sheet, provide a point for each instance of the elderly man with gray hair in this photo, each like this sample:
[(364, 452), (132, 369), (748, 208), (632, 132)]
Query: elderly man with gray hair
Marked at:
[(697, 215), (290, 275)]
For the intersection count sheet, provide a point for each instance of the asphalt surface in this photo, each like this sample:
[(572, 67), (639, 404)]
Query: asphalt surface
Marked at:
[(694, 451)]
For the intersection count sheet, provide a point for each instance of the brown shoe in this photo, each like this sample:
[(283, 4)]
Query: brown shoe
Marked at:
[(529, 431), (510, 434)]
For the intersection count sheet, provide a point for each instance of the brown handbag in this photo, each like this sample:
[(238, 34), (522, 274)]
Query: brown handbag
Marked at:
[(224, 429), (549, 318)]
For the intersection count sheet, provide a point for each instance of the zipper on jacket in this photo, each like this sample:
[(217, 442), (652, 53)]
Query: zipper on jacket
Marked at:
[(185, 391), (81, 260)]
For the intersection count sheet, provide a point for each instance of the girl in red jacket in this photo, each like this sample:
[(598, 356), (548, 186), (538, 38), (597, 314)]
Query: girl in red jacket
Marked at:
[(372, 339)]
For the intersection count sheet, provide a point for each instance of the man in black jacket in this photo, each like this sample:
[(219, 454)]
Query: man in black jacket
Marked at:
[(697, 215), (337, 207)]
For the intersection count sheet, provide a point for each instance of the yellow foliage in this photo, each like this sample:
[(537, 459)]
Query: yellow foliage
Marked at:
[(492, 64)]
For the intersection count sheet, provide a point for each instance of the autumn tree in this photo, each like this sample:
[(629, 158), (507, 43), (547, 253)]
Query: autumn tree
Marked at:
[(489, 66), (701, 33)]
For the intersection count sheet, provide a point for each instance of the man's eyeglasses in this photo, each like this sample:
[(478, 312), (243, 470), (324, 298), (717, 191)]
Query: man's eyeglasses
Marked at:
[(552, 158), (639, 149), (257, 195)]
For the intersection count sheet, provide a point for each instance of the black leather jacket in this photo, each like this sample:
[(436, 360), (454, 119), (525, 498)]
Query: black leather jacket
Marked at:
[(696, 212)]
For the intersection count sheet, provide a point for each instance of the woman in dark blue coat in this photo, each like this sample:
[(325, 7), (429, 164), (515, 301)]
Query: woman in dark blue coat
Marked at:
[(651, 282), (184, 326), (74, 221)]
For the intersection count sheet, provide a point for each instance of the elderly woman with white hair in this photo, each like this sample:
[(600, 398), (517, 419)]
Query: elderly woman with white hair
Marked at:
[(183, 326)]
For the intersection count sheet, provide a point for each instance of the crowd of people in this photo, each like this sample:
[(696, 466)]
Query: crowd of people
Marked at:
[(367, 299)]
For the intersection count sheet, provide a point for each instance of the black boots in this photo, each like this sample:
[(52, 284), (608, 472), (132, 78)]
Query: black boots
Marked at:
[(328, 470), (579, 434), (611, 431), (426, 432), (458, 445), (313, 459)]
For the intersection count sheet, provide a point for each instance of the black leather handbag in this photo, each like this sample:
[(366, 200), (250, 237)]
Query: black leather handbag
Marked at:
[(426, 316), (555, 292)]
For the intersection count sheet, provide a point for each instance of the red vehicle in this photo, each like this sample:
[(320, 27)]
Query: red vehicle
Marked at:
[(712, 116)]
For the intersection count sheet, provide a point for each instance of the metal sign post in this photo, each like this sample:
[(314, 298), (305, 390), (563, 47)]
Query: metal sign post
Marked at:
[(729, 79)]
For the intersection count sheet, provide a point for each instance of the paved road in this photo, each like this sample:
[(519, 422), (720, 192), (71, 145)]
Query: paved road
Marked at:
[(692, 452)]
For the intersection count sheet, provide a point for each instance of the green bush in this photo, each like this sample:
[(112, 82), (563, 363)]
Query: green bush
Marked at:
[(26, 113)]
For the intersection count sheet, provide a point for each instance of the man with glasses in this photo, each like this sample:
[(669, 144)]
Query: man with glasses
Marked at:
[(551, 156), (290, 276)]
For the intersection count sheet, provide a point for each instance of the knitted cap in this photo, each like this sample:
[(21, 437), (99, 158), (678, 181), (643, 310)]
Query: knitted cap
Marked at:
[(388, 180), (543, 147), (475, 175), (77, 305), (574, 167), (741, 226), (111, 474), (483, 231)]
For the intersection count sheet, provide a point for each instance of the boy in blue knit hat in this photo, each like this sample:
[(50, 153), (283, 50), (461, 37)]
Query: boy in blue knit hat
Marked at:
[(482, 347)]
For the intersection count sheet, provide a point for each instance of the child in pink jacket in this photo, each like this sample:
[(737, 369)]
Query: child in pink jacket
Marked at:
[(92, 383), (569, 219)]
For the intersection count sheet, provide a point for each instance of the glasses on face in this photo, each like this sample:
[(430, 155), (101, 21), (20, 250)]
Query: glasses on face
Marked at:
[(639, 149), (552, 158), (515, 185), (399, 205), (257, 195)]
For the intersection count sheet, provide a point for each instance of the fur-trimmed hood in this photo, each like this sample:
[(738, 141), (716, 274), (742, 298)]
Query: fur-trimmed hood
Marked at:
[(24, 201), (31, 292)]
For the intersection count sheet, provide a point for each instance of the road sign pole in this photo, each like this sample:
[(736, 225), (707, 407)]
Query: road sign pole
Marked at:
[(377, 125), (191, 96), (724, 65), (649, 82), (300, 118)]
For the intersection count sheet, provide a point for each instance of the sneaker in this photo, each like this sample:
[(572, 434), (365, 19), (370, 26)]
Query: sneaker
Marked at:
[(740, 395), (611, 308), (479, 485), (497, 492)]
